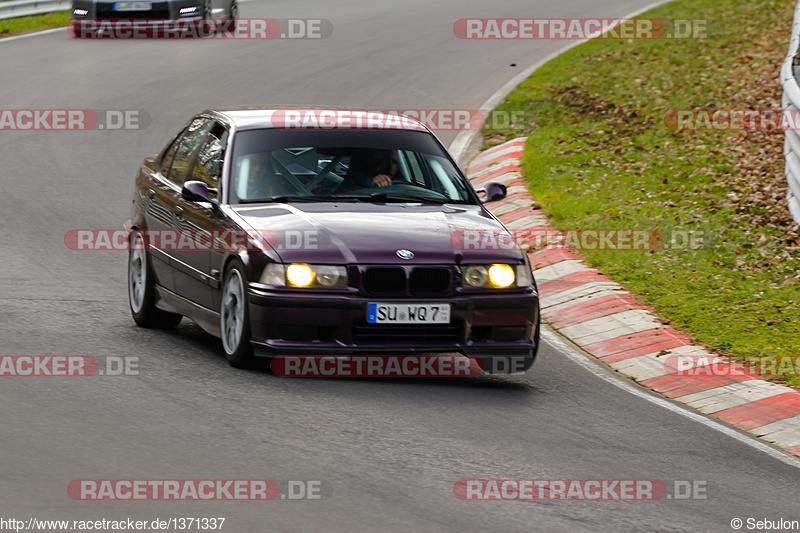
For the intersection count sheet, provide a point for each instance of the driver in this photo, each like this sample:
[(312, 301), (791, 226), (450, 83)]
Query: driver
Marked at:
[(385, 169), (376, 169)]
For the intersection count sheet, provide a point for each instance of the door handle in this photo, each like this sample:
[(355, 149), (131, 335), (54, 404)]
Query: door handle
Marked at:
[(179, 212), (151, 193)]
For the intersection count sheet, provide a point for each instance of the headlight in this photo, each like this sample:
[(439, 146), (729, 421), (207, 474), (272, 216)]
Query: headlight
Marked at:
[(299, 275), (501, 276), (274, 274), (304, 275), (497, 276), (331, 276), (475, 276)]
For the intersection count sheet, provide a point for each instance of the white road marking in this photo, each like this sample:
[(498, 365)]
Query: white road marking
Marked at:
[(34, 34)]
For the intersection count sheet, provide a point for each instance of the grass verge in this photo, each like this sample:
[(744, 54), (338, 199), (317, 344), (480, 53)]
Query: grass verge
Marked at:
[(600, 155), (19, 25)]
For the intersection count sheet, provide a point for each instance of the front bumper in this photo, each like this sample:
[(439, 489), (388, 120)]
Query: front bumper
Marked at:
[(141, 28), (488, 327), (160, 10)]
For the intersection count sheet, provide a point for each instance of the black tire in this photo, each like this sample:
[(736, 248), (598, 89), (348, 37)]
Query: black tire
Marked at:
[(208, 23), (73, 30), (234, 318), (229, 24), (142, 290)]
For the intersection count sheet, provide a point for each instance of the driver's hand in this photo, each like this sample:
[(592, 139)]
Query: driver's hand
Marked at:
[(381, 180)]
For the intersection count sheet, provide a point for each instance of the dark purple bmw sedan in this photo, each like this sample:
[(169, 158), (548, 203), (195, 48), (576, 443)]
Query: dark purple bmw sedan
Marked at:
[(326, 231)]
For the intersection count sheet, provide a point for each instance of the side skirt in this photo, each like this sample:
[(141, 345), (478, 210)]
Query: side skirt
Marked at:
[(207, 319)]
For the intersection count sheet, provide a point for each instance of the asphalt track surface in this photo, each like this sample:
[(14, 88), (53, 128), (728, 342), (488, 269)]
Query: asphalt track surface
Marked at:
[(390, 450)]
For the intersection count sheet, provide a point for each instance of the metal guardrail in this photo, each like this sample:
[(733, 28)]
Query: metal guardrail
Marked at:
[(791, 103), (23, 8)]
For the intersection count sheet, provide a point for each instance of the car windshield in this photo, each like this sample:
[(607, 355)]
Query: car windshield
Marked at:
[(277, 166)]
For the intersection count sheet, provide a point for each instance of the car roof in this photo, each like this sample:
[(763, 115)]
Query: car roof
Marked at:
[(254, 117)]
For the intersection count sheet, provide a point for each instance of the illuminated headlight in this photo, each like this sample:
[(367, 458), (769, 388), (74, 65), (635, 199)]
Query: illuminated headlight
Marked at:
[(304, 275), (496, 276), (80, 12), (299, 275), (188, 10), (501, 276)]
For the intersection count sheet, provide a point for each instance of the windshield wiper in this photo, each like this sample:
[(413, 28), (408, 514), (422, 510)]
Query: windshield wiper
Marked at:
[(374, 197), (390, 196), (284, 199)]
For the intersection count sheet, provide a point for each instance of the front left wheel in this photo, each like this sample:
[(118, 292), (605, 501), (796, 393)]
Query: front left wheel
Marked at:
[(234, 318)]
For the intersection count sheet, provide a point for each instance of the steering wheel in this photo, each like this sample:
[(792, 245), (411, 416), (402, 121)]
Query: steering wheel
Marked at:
[(412, 188)]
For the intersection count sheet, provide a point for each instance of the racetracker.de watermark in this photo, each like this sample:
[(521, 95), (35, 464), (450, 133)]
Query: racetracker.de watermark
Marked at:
[(579, 490), (197, 489), (248, 29), (709, 365), (67, 366), (582, 239), (377, 366), (394, 366), (73, 119), (415, 119), (733, 119), (580, 28), (171, 240)]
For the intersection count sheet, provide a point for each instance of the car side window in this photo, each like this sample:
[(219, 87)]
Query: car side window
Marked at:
[(409, 159), (208, 167), (447, 184), (169, 155), (187, 146)]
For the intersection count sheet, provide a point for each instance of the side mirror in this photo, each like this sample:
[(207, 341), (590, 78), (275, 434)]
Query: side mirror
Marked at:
[(493, 191), (197, 191)]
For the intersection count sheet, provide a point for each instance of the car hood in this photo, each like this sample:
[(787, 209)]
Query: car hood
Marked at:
[(342, 233)]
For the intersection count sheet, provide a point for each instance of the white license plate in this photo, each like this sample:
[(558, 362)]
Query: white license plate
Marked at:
[(133, 6), (385, 313)]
